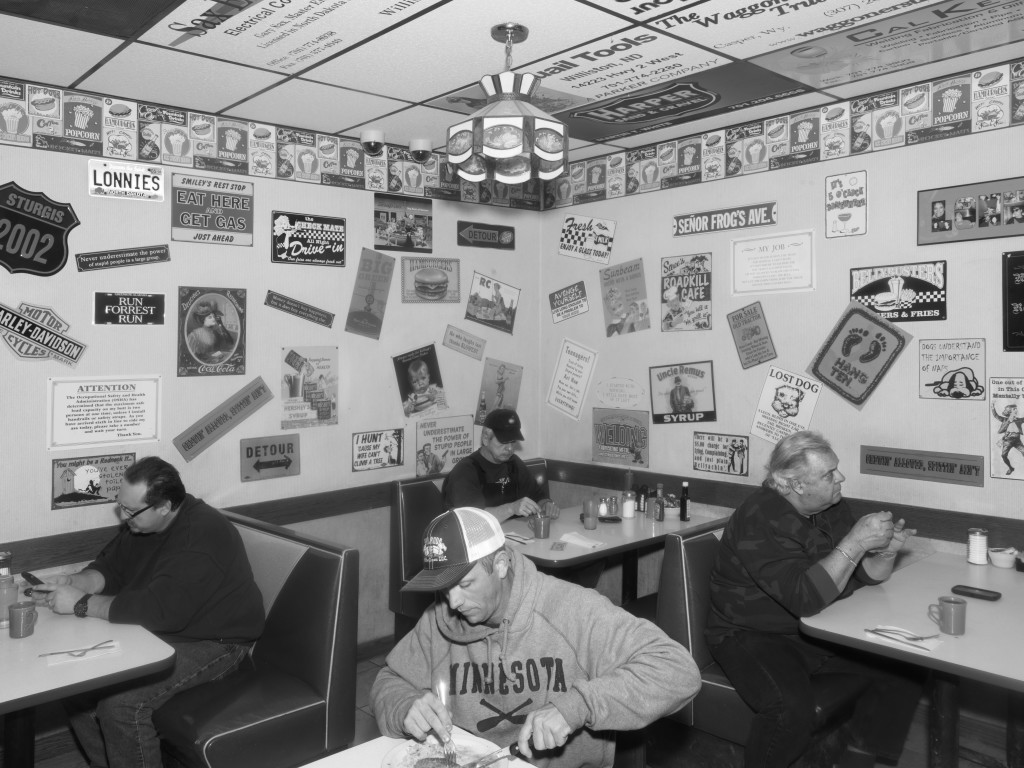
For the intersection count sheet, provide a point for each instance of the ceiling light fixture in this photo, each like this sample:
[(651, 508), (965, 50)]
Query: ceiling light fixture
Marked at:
[(509, 140)]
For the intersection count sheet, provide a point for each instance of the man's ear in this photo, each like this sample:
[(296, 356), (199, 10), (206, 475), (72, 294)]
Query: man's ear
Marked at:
[(501, 564)]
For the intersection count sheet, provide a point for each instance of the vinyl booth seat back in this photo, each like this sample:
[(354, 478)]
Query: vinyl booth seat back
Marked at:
[(414, 503), (293, 700)]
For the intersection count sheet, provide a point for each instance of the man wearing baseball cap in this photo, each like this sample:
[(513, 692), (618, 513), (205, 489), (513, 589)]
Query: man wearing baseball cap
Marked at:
[(493, 477), (514, 655)]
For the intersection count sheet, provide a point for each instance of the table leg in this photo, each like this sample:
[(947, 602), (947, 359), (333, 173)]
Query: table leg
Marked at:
[(1015, 731), (20, 738), (630, 575), (943, 721)]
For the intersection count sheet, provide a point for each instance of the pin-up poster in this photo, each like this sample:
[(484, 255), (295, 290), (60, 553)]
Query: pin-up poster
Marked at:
[(587, 238), (724, 454), (686, 292), (378, 450), (683, 393), (370, 294), (902, 292), (441, 443), (419, 382), (402, 224), (786, 404), (309, 387), (499, 388), (88, 480), (492, 303), (621, 437), (846, 204), (1007, 426), (211, 331), (624, 297), (857, 353), (952, 369)]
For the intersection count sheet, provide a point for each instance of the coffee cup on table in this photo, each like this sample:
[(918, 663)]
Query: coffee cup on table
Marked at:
[(23, 618), (541, 526), (950, 613)]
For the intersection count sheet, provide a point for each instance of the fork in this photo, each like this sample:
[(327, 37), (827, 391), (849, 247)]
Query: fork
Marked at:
[(904, 634), (447, 743), (80, 652)]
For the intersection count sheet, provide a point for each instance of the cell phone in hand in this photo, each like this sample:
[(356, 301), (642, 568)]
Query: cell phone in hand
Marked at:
[(32, 579)]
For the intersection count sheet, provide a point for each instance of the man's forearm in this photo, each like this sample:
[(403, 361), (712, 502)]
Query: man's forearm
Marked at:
[(89, 581)]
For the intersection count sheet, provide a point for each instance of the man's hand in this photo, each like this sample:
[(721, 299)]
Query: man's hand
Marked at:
[(900, 535), (544, 729), (872, 531), (58, 598), (549, 508), (523, 507), (428, 715)]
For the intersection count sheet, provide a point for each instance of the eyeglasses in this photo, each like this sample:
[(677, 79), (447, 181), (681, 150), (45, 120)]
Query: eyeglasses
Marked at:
[(129, 514)]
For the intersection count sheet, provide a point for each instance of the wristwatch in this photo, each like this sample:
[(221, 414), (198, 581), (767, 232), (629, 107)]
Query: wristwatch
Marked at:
[(82, 606)]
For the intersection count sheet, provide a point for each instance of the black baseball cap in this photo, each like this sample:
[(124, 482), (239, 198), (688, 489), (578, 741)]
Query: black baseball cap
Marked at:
[(452, 543), (505, 424)]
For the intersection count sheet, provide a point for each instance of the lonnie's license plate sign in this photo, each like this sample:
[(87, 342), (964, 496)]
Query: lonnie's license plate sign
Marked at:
[(207, 210), (739, 217), (33, 231)]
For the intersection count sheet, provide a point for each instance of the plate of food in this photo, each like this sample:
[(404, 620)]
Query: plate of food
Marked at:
[(430, 754)]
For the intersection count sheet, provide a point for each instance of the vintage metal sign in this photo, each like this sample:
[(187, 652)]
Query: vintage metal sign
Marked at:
[(486, 235), (126, 181), (303, 239), (125, 257), (740, 217), (33, 231), (30, 350), (222, 419), (263, 458), (26, 335), (128, 309), (956, 468)]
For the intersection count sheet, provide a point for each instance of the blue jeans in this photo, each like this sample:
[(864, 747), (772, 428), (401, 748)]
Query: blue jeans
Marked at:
[(772, 674), (114, 725)]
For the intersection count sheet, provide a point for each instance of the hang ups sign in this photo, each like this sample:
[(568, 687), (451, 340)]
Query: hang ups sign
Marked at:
[(33, 231)]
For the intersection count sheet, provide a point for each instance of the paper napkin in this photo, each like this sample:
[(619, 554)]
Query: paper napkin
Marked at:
[(581, 541), (900, 637), (64, 658), (518, 538)]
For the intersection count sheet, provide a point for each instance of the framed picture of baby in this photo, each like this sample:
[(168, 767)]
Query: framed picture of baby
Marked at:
[(419, 382)]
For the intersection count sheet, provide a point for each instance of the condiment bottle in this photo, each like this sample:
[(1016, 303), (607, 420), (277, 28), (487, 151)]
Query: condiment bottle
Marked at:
[(659, 503), (628, 505), (684, 501), (641, 500), (613, 506), (629, 480), (5, 564), (602, 507)]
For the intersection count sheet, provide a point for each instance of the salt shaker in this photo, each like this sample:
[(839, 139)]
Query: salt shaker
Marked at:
[(602, 507)]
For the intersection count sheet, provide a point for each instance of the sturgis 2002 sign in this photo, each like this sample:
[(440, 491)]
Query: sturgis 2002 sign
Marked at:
[(33, 231)]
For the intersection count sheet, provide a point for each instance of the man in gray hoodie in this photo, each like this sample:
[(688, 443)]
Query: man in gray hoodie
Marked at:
[(523, 656)]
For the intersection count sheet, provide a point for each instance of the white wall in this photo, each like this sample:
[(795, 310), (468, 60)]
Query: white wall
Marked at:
[(368, 393), (894, 415)]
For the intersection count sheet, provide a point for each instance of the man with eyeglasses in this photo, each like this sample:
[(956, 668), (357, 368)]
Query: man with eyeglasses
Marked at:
[(178, 568)]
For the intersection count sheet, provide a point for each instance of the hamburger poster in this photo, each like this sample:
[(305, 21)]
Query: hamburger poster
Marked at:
[(428, 280)]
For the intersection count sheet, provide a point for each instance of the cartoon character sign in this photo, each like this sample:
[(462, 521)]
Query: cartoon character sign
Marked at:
[(787, 401)]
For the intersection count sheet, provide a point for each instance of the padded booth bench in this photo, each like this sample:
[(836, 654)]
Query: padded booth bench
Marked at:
[(684, 599), (414, 503), (293, 700)]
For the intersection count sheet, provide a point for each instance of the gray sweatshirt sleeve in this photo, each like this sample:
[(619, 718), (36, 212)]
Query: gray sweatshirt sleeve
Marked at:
[(635, 674), (406, 677)]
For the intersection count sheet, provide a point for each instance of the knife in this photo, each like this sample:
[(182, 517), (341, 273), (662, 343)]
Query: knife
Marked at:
[(510, 751)]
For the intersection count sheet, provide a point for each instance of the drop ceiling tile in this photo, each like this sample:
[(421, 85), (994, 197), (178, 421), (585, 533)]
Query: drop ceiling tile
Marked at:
[(416, 65), (413, 123), (104, 17), (314, 106), (43, 53), (591, 150), (934, 71), (180, 79)]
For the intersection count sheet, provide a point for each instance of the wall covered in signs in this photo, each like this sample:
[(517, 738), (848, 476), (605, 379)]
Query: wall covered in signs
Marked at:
[(248, 340), (949, 295)]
